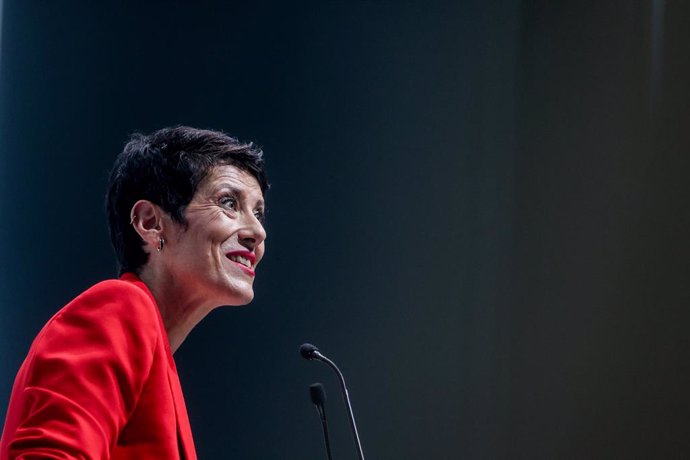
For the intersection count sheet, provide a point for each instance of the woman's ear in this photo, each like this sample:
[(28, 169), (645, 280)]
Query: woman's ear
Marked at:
[(147, 221)]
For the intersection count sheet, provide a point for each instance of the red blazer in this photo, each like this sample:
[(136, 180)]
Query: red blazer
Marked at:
[(100, 382)]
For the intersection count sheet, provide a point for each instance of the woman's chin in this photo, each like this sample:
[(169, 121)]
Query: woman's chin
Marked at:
[(238, 299)]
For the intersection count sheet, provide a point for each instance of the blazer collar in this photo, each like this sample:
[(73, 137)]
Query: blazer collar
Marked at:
[(184, 430)]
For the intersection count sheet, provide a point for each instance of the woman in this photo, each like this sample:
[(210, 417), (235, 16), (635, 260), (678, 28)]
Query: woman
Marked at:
[(185, 209)]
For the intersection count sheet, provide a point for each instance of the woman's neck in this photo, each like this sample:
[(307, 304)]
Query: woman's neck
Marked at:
[(180, 311)]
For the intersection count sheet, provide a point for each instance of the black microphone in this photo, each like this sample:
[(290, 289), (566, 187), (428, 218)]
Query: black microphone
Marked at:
[(310, 352), (318, 397)]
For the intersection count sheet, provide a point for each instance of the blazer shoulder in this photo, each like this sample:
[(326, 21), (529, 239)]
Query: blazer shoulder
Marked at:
[(110, 310), (116, 297), (119, 289)]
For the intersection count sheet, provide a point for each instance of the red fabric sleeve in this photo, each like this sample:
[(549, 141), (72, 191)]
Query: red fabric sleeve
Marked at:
[(84, 374)]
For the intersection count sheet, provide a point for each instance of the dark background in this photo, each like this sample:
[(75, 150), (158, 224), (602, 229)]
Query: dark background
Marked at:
[(479, 210)]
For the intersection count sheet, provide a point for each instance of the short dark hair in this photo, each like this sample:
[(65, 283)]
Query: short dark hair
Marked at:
[(166, 167)]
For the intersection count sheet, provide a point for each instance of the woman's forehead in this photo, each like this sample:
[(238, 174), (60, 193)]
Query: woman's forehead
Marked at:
[(231, 176)]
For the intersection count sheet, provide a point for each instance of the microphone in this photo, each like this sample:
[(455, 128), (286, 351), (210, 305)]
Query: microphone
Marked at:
[(311, 353), (318, 397)]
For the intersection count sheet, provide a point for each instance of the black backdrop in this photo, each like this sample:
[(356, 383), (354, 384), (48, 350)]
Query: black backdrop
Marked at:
[(478, 209)]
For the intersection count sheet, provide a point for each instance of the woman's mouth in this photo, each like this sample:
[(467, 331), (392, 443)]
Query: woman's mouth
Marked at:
[(241, 260), (244, 259)]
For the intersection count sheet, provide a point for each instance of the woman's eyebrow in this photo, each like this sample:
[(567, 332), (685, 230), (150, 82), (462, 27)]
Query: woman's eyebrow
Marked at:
[(237, 191), (225, 185)]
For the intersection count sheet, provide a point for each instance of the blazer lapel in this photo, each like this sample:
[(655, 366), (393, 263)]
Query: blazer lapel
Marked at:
[(184, 430)]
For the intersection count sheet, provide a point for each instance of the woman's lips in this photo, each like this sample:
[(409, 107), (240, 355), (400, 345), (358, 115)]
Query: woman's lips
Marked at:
[(244, 260)]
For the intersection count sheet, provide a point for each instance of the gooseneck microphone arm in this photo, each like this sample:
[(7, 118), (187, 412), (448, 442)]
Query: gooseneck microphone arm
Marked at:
[(310, 352)]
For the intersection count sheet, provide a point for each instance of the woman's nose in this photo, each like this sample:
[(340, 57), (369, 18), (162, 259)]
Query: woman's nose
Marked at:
[(252, 232)]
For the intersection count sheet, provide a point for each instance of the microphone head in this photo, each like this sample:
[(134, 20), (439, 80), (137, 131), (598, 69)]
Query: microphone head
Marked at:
[(307, 350), (317, 393)]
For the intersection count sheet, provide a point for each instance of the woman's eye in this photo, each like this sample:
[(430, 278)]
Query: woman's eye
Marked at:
[(228, 202), (260, 215)]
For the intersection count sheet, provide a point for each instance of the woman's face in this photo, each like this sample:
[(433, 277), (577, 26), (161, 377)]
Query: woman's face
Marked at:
[(215, 257)]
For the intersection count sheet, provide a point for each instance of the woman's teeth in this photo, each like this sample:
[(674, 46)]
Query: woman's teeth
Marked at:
[(241, 260)]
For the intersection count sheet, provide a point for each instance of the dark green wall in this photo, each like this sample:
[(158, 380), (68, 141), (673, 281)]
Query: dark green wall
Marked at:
[(478, 210)]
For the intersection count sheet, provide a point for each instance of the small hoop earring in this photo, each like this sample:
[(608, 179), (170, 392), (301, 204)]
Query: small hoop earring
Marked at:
[(161, 242), (131, 222)]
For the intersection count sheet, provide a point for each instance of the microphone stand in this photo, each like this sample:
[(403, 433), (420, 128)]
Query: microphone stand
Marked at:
[(318, 397)]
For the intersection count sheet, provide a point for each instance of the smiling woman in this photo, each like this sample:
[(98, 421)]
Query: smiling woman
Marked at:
[(214, 253), (185, 210)]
